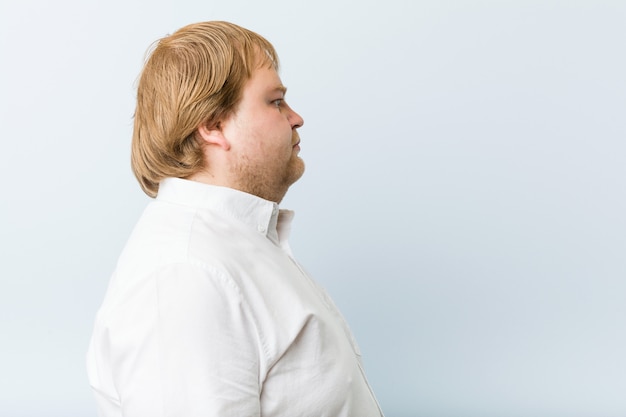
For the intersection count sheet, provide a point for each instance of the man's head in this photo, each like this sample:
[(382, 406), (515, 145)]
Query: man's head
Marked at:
[(193, 86)]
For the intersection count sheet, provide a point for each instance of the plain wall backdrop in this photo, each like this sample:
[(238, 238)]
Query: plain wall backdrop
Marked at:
[(463, 202)]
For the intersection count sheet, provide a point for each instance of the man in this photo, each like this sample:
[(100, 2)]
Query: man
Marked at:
[(208, 313)]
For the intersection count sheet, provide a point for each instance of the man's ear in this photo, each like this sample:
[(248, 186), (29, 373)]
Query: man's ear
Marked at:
[(213, 136)]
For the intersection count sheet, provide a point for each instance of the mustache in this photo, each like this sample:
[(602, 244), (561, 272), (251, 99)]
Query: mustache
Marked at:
[(295, 137)]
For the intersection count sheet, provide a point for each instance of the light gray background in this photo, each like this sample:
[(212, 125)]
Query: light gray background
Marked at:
[(464, 200)]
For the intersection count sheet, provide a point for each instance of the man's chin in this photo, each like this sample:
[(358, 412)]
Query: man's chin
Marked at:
[(297, 170)]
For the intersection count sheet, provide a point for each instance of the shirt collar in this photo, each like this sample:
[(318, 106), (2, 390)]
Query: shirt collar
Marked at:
[(257, 213)]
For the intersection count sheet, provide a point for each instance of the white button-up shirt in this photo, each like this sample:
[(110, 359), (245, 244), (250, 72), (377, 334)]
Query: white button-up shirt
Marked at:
[(208, 314)]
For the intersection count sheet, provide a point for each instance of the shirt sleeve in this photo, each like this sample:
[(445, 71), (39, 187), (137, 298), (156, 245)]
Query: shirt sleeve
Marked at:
[(187, 346)]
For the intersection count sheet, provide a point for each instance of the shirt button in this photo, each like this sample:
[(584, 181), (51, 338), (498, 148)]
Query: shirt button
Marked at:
[(261, 228)]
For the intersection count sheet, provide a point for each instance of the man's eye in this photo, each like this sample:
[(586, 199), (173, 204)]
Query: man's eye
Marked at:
[(278, 102)]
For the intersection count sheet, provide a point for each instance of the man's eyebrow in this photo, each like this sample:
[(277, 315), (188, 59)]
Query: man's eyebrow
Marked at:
[(281, 88)]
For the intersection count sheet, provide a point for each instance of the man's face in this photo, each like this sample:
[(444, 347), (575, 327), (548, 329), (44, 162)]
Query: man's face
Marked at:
[(263, 138)]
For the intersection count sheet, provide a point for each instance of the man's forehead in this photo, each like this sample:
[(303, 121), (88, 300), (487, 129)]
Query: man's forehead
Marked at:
[(267, 79)]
